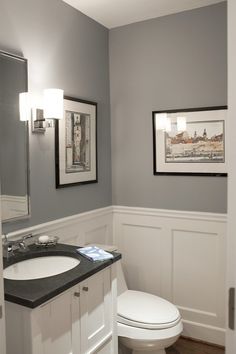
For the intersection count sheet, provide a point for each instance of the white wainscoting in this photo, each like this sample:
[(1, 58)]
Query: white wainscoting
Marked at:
[(179, 256), (90, 227)]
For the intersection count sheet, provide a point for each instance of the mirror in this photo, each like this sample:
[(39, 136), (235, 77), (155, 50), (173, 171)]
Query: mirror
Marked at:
[(14, 162)]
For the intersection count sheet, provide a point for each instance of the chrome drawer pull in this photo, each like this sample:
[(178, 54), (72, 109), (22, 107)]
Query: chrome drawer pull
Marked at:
[(76, 294), (85, 288)]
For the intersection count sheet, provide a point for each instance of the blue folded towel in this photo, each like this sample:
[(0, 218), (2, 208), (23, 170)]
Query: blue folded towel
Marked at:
[(94, 253)]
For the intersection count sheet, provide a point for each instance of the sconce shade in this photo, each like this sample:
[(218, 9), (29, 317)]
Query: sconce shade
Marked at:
[(181, 124), (53, 103), (24, 106), (168, 125), (161, 121)]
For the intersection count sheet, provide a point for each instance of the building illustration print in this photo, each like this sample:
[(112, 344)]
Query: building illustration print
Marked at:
[(78, 157), (200, 142)]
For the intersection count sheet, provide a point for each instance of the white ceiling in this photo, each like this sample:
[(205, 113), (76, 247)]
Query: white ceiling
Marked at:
[(114, 13)]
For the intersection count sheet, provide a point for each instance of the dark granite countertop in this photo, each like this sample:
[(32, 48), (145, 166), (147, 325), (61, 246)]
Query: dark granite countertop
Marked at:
[(32, 293)]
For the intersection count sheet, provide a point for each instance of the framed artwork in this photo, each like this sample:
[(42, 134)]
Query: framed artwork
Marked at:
[(76, 143), (197, 146)]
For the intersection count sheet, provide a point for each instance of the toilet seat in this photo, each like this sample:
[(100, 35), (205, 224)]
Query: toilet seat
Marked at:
[(145, 334), (159, 326), (147, 311)]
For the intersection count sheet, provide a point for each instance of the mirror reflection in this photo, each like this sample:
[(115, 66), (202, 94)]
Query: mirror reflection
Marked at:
[(13, 139)]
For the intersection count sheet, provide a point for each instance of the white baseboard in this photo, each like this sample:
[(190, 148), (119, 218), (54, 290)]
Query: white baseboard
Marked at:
[(204, 333)]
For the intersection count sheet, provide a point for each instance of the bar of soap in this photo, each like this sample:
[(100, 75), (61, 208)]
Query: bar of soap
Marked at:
[(43, 239)]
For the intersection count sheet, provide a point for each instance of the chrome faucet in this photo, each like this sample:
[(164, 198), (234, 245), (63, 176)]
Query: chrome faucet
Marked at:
[(22, 245), (10, 246)]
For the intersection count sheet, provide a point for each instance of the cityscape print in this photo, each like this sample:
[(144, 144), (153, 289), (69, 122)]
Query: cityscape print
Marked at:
[(202, 141)]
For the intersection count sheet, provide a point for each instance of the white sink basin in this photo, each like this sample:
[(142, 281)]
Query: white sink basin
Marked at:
[(40, 267)]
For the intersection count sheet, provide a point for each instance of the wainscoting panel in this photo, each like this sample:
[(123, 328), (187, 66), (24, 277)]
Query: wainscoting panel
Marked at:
[(179, 256), (93, 226), (137, 265)]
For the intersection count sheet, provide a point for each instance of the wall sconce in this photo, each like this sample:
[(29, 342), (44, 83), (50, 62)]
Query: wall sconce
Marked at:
[(181, 124), (24, 106), (163, 122), (53, 103), (161, 119), (42, 118), (168, 125)]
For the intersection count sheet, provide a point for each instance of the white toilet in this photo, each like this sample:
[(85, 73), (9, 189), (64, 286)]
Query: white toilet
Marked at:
[(146, 323)]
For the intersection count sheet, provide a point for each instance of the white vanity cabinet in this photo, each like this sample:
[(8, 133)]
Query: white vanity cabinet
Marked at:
[(95, 312), (81, 320)]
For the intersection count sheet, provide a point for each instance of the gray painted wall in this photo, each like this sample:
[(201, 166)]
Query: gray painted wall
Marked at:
[(176, 61), (65, 49)]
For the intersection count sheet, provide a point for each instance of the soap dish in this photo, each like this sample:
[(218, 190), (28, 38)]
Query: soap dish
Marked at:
[(52, 241)]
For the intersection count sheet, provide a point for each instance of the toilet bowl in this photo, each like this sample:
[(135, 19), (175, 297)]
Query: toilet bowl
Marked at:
[(146, 323)]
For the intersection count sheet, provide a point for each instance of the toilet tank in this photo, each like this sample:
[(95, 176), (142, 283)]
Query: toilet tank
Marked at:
[(121, 282)]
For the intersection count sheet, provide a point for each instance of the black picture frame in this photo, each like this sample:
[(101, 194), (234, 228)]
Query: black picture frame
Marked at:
[(76, 144), (159, 168)]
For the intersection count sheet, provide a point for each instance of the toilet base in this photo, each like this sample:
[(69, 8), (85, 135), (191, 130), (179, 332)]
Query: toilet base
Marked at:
[(124, 350)]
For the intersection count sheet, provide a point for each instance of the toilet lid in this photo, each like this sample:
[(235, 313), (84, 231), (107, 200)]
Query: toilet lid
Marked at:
[(143, 310)]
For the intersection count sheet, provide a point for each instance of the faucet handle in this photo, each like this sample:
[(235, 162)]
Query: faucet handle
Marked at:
[(8, 247), (27, 236)]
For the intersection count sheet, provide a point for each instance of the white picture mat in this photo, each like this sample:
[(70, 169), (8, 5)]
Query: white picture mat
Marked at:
[(195, 116), (68, 178)]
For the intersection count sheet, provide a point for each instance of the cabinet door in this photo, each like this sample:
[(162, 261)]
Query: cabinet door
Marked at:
[(96, 309), (61, 325)]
